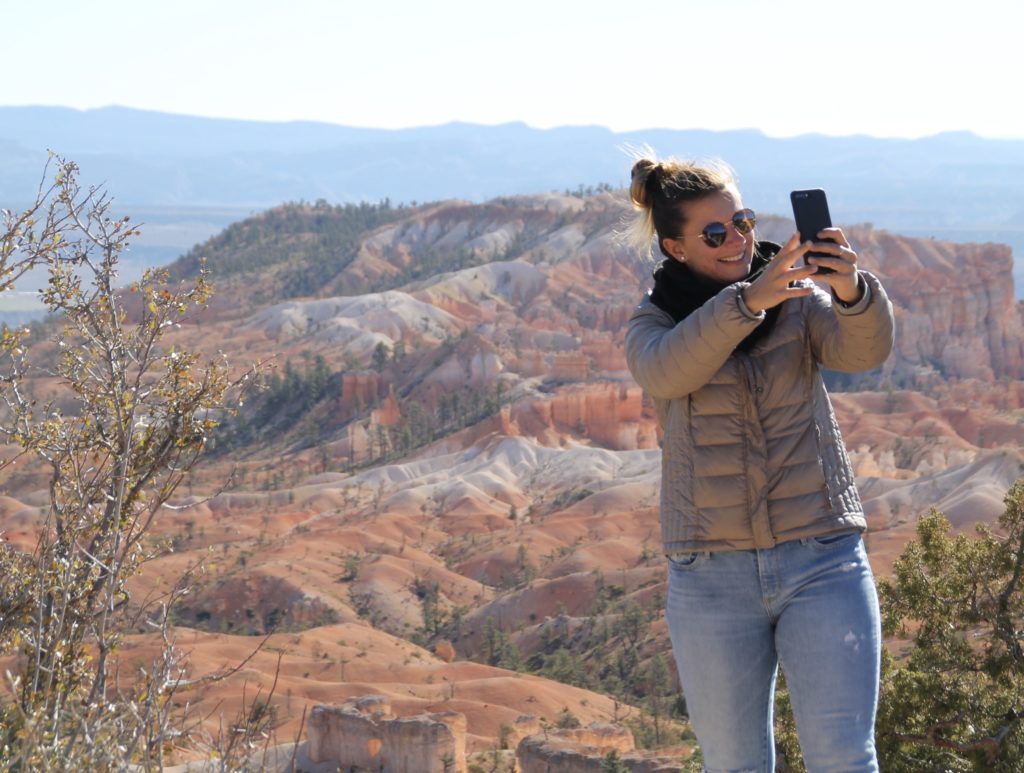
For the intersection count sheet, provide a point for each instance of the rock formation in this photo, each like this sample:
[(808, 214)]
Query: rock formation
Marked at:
[(585, 750), (956, 314), (613, 415), (955, 303), (363, 734), (359, 390)]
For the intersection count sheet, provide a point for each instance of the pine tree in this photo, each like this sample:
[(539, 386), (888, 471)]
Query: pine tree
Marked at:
[(957, 701)]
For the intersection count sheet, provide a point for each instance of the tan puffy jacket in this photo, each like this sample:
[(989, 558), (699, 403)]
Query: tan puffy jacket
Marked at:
[(752, 453)]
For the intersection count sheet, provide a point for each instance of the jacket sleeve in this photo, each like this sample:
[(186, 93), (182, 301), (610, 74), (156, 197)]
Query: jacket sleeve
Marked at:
[(852, 338), (672, 360)]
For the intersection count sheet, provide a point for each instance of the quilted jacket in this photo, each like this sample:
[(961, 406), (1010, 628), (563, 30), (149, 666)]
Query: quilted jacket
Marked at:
[(752, 454)]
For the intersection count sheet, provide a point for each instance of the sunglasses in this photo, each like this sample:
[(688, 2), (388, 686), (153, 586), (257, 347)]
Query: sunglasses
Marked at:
[(714, 234)]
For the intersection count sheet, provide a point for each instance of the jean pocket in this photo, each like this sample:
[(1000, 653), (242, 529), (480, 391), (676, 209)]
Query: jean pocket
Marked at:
[(833, 541), (686, 560)]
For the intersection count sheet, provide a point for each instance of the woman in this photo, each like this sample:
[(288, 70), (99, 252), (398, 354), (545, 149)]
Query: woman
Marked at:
[(760, 517)]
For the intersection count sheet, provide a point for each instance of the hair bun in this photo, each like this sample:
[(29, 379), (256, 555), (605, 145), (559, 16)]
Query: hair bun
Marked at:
[(640, 176), (661, 190)]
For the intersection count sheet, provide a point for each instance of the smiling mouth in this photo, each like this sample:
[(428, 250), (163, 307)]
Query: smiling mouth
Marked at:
[(733, 259)]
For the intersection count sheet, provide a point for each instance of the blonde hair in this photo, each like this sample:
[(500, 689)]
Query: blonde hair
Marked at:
[(657, 190)]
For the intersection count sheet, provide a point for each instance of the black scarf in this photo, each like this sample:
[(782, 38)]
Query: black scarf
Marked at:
[(680, 292)]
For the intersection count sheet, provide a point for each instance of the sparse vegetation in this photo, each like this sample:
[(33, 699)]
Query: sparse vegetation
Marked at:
[(351, 563), (134, 414), (301, 405), (586, 191), (610, 651), (282, 401), (956, 701), (567, 720), (309, 244)]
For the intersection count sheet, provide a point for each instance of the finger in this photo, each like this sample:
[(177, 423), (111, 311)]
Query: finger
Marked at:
[(783, 255), (789, 255), (831, 248), (836, 264), (794, 240), (835, 235), (836, 250), (848, 255), (800, 272)]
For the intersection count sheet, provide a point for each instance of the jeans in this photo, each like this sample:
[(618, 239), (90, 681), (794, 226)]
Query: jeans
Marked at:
[(808, 604)]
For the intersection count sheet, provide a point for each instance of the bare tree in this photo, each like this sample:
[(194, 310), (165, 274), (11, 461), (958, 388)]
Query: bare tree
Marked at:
[(131, 416)]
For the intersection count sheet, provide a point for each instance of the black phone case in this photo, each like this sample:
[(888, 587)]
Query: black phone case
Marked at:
[(810, 211)]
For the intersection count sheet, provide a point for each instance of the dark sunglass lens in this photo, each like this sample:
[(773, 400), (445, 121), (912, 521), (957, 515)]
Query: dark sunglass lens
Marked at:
[(744, 221), (714, 234)]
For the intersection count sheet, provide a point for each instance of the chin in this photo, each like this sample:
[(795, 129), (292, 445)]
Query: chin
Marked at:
[(736, 270)]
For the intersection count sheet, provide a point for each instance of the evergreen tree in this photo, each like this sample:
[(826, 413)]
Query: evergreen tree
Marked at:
[(957, 701)]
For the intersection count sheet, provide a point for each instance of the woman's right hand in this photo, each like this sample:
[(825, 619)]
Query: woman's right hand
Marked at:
[(773, 286)]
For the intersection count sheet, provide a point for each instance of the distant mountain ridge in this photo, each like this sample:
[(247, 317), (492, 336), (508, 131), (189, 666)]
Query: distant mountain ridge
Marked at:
[(954, 186), (234, 162)]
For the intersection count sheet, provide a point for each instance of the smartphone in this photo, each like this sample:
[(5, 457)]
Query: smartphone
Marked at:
[(810, 211)]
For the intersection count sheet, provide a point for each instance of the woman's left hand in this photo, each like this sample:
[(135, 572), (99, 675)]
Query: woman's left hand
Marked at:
[(843, 280)]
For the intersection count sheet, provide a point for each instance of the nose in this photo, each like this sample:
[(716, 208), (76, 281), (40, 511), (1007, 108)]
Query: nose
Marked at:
[(733, 235)]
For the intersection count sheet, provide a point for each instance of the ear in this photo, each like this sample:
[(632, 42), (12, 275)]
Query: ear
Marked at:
[(674, 248)]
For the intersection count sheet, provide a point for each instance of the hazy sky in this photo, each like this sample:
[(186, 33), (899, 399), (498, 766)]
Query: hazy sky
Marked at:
[(881, 67)]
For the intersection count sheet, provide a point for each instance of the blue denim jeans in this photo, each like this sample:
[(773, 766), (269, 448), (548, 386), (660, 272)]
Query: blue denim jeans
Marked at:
[(808, 604)]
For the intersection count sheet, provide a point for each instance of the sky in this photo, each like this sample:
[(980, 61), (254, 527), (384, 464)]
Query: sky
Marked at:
[(888, 68)]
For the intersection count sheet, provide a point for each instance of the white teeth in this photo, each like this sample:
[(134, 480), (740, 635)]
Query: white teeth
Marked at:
[(732, 259)]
